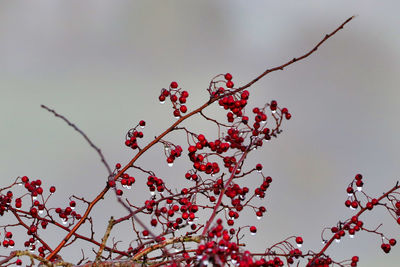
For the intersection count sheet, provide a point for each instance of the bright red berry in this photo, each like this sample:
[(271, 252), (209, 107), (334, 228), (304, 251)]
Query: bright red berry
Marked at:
[(174, 85), (228, 76)]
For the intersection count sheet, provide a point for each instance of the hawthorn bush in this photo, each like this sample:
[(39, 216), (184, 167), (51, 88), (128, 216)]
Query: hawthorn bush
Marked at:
[(189, 226)]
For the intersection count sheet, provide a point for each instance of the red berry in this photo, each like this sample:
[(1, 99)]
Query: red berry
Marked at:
[(229, 84), (177, 113), (174, 85), (161, 98), (183, 109), (185, 94), (299, 240), (259, 167), (358, 176), (228, 76), (117, 166), (253, 229), (52, 189), (165, 92)]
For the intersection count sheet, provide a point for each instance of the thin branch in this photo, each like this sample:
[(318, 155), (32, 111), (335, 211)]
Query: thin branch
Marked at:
[(105, 237), (98, 150)]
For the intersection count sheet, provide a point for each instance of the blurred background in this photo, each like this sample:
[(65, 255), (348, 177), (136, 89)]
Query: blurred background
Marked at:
[(102, 64)]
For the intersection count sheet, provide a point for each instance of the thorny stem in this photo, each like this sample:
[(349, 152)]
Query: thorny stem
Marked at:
[(181, 119)]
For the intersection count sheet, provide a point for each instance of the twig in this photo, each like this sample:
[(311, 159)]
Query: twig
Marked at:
[(105, 237), (98, 150)]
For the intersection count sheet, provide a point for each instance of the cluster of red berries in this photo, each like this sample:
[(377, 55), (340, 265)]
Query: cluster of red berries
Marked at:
[(397, 210), (353, 226), (235, 138), (68, 212), (234, 104), (199, 160), (185, 212), (154, 183), (354, 261), (387, 246), (172, 154), (37, 208), (5, 201), (125, 180), (33, 187), (8, 242), (351, 201), (219, 249), (133, 135), (230, 163), (260, 212), (274, 107), (219, 146), (177, 97), (319, 262), (191, 176), (260, 191), (31, 245)]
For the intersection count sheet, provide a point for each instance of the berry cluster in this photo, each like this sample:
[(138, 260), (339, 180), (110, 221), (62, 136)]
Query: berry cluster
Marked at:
[(154, 183), (221, 248), (36, 215), (199, 160), (172, 152), (5, 201), (177, 96), (260, 191), (125, 180), (133, 134), (8, 242)]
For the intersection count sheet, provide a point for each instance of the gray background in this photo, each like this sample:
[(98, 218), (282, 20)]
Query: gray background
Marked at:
[(102, 64)]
